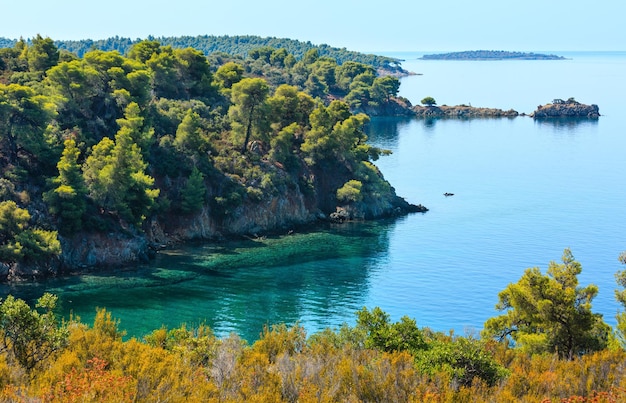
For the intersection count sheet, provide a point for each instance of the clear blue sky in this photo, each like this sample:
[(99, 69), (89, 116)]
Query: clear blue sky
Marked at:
[(376, 26)]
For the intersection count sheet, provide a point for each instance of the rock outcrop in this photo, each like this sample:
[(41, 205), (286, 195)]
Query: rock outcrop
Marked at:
[(566, 109), (462, 111), (395, 107), (96, 249), (276, 213), (402, 107)]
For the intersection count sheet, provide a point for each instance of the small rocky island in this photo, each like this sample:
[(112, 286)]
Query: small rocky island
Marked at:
[(566, 109), (491, 55)]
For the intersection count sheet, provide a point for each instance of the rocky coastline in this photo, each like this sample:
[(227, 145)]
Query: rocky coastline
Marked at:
[(278, 213), (89, 251)]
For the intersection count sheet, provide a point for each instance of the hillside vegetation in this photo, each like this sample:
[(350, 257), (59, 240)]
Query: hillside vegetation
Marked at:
[(237, 45), (104, 155)]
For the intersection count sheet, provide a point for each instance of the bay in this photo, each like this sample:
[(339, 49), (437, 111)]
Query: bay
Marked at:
[(523, 191)]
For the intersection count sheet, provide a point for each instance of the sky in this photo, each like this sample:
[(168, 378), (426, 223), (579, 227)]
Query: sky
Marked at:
[(363, 25)]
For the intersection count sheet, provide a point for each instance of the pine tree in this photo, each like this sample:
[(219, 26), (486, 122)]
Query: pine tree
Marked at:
[(189, 137), (116, 178), (192, 197), (134, 122), (550, 313), (67, 200)]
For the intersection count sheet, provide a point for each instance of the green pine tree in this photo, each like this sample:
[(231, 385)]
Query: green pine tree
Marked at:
[(116, 178), (193, 194), (67, 200)]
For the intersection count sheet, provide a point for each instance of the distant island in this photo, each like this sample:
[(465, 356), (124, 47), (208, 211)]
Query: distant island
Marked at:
[(491, 55)]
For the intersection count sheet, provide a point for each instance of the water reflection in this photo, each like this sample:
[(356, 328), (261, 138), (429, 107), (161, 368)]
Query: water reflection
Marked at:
[(318, 279), (384, 131), (429, 123), (566, 124)]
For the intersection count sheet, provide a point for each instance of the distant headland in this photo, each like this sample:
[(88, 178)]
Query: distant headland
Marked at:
[(490, 55)]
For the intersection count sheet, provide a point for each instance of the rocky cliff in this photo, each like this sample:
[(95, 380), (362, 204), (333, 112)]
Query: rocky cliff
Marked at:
[(278, 213)]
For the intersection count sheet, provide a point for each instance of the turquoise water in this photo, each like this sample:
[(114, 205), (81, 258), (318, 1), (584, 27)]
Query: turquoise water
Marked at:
[(524, 191)]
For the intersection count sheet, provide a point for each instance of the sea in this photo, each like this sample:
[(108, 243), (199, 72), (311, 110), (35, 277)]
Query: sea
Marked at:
[(524, 191)]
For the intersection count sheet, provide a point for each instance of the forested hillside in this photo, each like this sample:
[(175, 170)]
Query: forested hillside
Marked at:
[(106, 156), (238, 45)]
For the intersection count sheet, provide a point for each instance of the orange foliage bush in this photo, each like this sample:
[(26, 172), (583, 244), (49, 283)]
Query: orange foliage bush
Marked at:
[(285, 366), (93, 384)]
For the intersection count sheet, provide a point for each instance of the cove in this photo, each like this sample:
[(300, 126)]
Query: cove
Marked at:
[(317, 278)]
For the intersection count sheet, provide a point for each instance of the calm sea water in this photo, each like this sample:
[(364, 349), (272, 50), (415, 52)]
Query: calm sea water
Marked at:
[(524, 191)]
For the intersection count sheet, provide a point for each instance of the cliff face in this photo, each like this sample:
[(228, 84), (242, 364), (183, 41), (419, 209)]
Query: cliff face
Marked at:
[(90, 249), (279, 212), (83, 251), (566, 109), (274, 213)]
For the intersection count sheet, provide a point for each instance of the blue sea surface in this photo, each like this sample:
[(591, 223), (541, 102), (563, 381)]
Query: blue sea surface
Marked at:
[(524, 190)]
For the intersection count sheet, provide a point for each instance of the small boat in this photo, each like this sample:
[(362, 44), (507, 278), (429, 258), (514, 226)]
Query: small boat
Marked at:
[(448, 194)]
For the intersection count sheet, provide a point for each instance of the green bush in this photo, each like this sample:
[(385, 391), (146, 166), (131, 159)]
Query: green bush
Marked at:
[(350, 192)]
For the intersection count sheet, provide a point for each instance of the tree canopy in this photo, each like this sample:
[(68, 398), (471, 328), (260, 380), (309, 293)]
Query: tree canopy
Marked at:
[(239, 45), (551, 312), (428, 101)]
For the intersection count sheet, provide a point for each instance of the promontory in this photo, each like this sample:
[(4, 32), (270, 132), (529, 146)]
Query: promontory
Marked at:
[(108, 156)]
